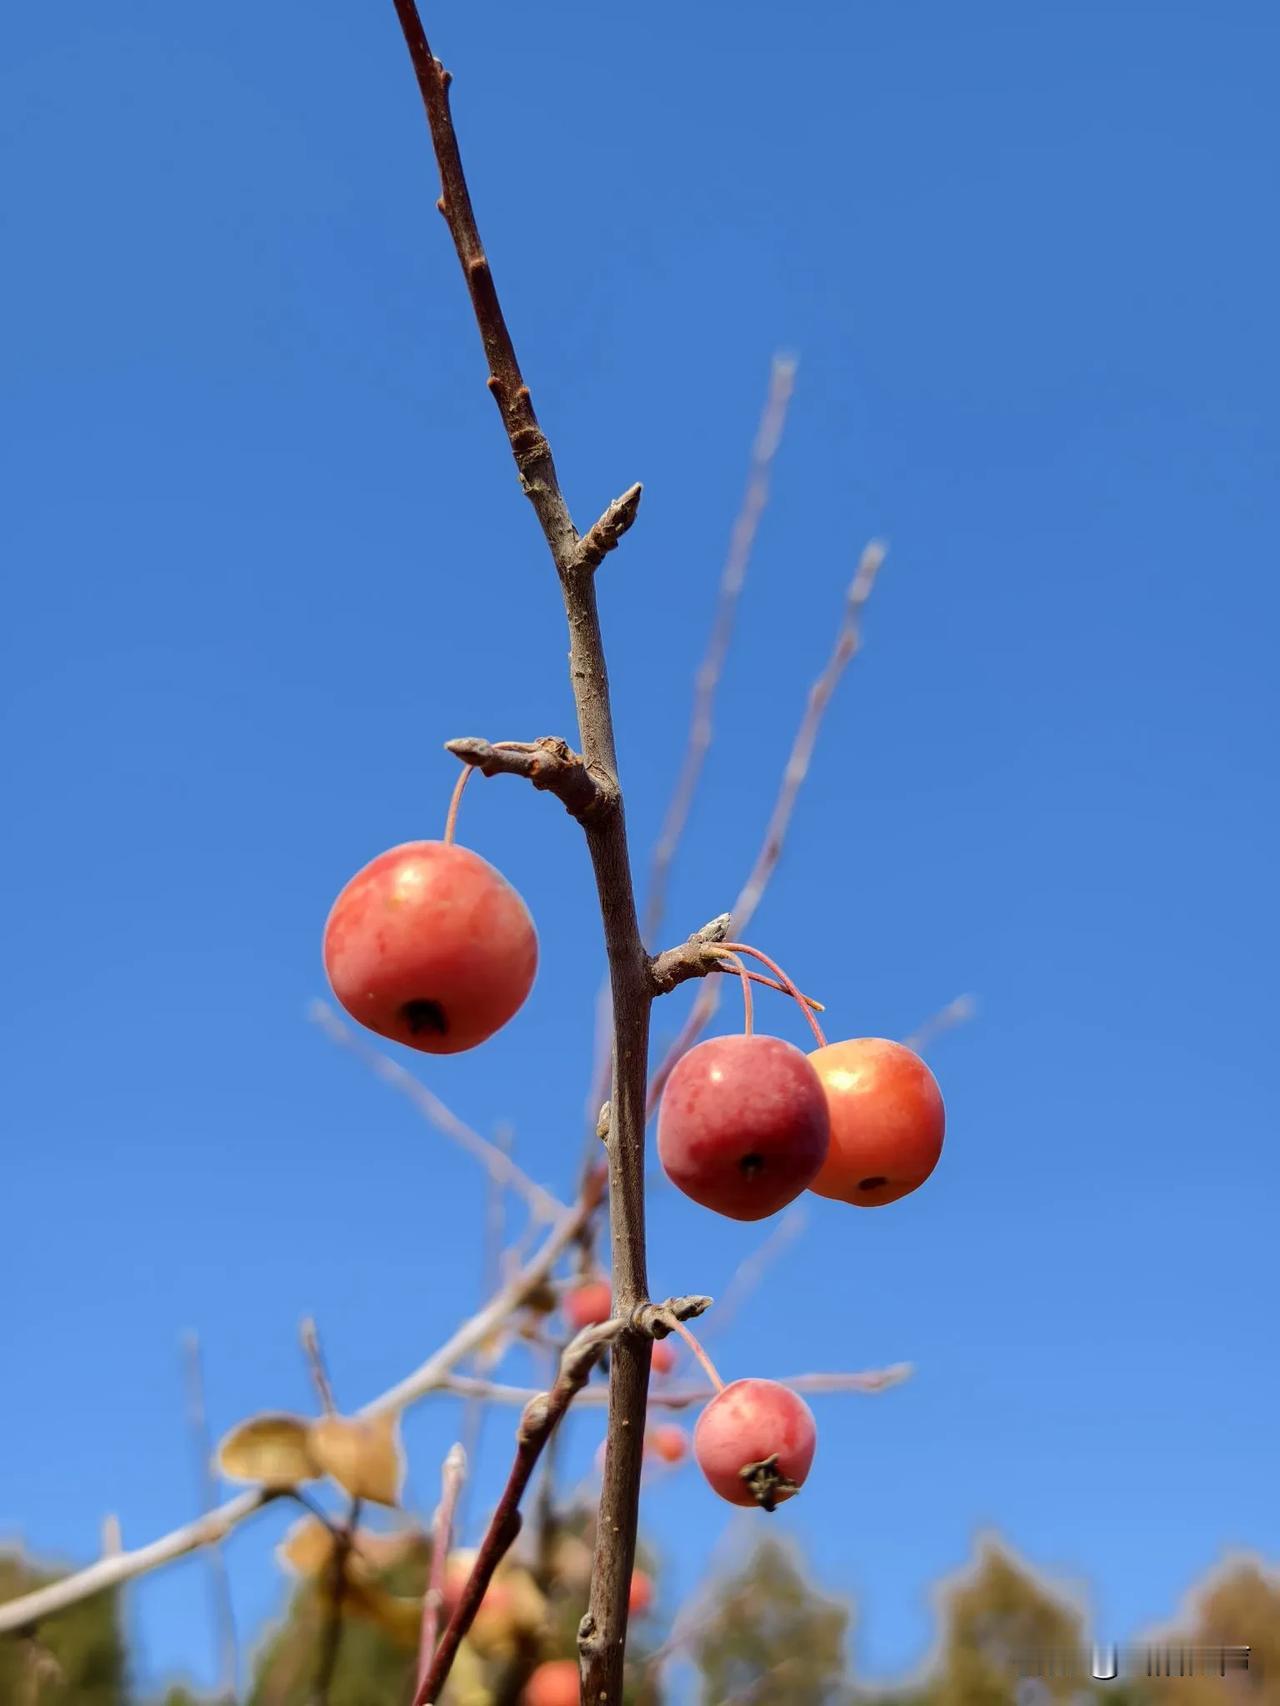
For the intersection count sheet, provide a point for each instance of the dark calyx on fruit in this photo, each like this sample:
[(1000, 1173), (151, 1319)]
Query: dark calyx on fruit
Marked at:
[(423, 1016), (769, 1486)]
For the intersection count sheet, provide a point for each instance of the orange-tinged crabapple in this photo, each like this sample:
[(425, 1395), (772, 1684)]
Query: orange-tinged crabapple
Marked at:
[(554, 1683), (431, 946), (640, 1595), (743, 1125), (754, 1442), (588, 1305), (887, 1121), (668, 1441)]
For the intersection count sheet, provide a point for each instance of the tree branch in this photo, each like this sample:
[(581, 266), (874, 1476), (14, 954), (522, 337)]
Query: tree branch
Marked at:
[(430, 1376), (496, 1162), (549, 763), (602, 1636), (452, 1477)]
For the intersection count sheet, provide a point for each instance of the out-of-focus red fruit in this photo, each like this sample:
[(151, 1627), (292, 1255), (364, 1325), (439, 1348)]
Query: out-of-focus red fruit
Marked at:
[(887, 1121), (640, 1597), (754, 1442), (588, 1305), (430, 946), (552, 1684), (664, 1358), (669, 1442), (743, 1125)]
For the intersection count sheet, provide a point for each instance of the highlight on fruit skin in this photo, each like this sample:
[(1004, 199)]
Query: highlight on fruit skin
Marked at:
[(743, 1125), (887, 1121), (755, 1442), (430, 946)]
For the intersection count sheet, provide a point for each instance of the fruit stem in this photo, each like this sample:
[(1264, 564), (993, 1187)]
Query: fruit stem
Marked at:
[(776, 969), (708, 1366), (767, 982), (451, 821), (748, 1009)]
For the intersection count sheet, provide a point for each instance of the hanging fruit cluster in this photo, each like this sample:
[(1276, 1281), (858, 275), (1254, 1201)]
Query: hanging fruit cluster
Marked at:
[(431, 947)]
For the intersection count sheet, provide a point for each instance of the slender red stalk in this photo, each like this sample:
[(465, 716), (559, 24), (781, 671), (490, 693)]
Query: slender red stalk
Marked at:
[(708, 1367), (792, 991), (451, 821), (748, 1011)]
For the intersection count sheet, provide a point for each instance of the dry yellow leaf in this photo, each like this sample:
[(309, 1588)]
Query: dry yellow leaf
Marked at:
[(363, 1457), (274, 1450), (307, 1548), (395, 1615)]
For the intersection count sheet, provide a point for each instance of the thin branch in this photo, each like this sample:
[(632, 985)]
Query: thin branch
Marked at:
[(681, 1397), (550, 764), (707, 680), (752, 1269), (541, 1416), (310, 1338), (430, 1376), (221, 1606), (452, 1477), (334, 1623), (848, 640), (496, 1162), (957, 1012), (537, 1424), (602, 1634)]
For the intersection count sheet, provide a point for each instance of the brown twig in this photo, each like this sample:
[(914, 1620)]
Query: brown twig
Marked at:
[(335, 1623), (848, 639), (541, 1415), (602, 1635), (310, 1339), (495, 1161), (452, 1477), (221, 1606), (550, 764), (430, 1376)]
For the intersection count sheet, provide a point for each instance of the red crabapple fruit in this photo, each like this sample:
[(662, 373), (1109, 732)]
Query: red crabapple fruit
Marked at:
[(552, 1684), (887, 1121), (743, 1125), (754, 1442), (640, 1595), (588, 1305), (430, 946)]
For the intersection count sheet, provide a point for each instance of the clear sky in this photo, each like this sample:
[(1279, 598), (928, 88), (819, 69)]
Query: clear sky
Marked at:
[(267, 552)]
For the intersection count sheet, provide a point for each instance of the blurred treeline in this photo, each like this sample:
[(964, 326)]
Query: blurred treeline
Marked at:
[(765, 1635)]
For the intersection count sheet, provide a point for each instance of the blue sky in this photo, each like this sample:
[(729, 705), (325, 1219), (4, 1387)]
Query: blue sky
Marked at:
[(268, 553)]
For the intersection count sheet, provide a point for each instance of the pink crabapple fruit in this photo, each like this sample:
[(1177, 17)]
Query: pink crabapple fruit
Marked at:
[(743, 1125), (664, 1357), (430, 946), (887, 1121), (668, 1441), (588, 1305), (754, 1442)]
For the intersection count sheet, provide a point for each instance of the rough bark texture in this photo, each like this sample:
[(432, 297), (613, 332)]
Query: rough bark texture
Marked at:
[(603, 1634)]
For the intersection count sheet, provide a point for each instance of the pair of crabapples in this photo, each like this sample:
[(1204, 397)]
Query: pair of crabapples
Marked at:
[(430, 946), (748, 1122)]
